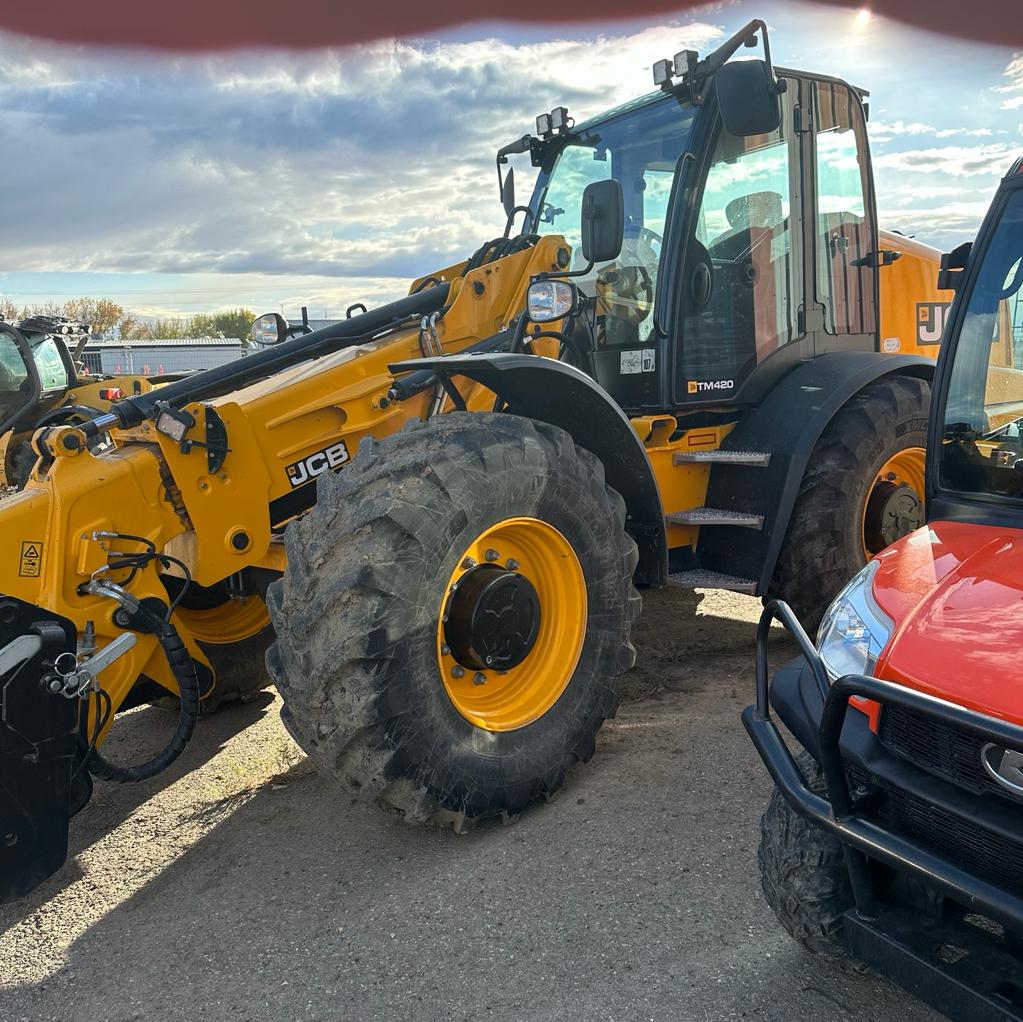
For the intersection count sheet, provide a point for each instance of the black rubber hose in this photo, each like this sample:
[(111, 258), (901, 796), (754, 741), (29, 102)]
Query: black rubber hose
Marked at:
[(183, 669)]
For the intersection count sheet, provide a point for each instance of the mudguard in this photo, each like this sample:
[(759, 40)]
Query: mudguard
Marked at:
[(559, 394), (787, 423)]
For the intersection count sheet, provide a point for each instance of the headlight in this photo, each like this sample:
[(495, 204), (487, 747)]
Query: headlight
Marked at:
[(854, 629), (548, 300)]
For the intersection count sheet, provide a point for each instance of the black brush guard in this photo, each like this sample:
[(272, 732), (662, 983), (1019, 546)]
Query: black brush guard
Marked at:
[(892, 940), (38, 741)]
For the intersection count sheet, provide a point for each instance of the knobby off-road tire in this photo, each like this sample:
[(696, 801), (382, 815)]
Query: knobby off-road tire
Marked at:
[(356, 659), (824, 545), (803, 871), (20, 462), (240, 668), (239, 664)]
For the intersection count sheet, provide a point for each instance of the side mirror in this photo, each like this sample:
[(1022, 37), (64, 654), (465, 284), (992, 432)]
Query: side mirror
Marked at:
[(747, 97), (271, 328), (950, 272), (603, 221), (508, 192)]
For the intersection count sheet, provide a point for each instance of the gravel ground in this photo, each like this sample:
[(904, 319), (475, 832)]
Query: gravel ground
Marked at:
[(242, 886)]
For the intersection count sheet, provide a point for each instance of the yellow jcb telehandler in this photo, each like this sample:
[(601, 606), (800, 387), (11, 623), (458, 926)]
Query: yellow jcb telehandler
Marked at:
[(697, 363)]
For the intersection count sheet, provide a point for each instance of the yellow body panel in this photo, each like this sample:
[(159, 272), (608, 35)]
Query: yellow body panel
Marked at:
[(913, 310)]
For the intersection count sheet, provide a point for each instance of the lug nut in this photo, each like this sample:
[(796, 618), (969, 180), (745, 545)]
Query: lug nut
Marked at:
[(458, 671), (469, 562), (479, 678), (511, 564), (492, 555), (445, 649)]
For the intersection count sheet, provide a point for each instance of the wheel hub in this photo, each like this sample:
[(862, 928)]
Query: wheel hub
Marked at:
[(893, 511), (493, 618)]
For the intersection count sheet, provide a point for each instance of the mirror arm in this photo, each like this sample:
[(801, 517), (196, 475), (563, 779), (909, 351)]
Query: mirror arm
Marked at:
[(715, 61)]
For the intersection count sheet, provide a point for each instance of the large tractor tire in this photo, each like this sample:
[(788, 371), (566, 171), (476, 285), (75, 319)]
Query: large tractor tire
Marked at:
[(455, 609), (803, 871), (862, 490), (235, 635)]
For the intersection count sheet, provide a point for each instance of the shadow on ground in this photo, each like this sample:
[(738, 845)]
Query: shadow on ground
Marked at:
[(633, 896)]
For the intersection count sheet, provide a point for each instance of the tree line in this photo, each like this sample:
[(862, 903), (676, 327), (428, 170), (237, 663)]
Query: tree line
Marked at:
[(108, 319)]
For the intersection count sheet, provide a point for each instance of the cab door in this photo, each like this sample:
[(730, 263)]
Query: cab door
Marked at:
[(743, 279)]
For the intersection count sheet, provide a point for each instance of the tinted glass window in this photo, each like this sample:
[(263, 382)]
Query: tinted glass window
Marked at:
[(983, 415)]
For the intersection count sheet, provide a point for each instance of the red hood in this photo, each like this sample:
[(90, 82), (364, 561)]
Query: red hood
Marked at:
[(955, 593)]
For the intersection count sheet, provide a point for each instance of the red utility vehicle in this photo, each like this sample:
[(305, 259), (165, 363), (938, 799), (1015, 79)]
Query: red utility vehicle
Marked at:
[(896, 836)]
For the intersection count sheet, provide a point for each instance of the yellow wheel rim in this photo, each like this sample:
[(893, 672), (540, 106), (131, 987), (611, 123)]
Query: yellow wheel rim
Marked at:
[(536, 586), (232, 621), (886, 515)]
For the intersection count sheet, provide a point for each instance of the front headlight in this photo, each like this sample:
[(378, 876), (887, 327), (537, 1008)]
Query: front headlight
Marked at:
[(854, 629), (548, 300)]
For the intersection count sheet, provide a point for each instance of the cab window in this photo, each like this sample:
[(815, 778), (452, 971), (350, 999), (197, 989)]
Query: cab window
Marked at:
[(845, 232), (742, 274), (982, 451)]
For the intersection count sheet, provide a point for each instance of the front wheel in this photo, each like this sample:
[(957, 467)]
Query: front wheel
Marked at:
[(455, 609), (803, 871)]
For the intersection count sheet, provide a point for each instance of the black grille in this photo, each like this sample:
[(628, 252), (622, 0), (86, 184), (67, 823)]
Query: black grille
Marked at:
[(939, 749), (980, 851)]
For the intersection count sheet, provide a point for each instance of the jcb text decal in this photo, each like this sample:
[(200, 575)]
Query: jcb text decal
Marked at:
[(316, 464), (930, 321), (698, 386)]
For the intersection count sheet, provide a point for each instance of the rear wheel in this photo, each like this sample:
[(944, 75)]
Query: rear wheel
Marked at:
[(234, 634), (863, 489), (455, 609), (803, 871)]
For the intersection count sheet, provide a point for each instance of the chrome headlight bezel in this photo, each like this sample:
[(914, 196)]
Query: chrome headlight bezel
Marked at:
[(854, 629)]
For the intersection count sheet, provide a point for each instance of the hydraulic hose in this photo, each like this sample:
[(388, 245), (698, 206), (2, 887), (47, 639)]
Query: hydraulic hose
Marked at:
[(183, 669)]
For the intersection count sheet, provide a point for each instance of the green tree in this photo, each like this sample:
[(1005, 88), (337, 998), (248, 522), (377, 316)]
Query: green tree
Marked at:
[(235, 323)]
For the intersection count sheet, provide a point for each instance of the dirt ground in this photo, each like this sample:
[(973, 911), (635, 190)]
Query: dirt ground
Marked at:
[(240, 885)]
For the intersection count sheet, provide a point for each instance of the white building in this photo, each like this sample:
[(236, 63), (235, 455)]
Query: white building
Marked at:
[(156, 356)]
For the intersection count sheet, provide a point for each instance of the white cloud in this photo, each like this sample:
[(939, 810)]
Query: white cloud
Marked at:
[(1014, 89)]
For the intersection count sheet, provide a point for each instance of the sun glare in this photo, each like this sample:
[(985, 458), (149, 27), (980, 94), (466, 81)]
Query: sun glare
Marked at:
[(862, 18)]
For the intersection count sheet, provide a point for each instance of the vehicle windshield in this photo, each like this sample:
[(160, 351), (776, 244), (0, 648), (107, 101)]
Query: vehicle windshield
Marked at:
[(13, 379), (639, 145), (47, 357), (983, 418)]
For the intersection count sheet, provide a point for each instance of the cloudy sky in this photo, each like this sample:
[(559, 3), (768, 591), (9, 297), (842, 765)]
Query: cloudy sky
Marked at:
[(274, 178)]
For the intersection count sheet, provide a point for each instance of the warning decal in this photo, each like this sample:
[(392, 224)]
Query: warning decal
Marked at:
[(31, 560)]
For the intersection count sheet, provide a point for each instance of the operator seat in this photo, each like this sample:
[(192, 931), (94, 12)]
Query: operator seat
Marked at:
[(742, 311)]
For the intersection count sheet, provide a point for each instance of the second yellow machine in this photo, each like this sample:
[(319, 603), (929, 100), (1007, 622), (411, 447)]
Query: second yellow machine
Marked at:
[(698, 363)]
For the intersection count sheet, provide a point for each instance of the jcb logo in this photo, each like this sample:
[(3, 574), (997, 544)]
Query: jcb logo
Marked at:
[(316, 464), (697, 386), (930, 321)]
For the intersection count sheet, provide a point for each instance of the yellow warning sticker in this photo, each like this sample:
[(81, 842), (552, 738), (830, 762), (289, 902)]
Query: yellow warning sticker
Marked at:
[(31, 560)]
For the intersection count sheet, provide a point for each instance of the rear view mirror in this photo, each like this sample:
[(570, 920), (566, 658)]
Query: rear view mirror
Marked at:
[(603, 221), (953, 263), (508, 192), (271, 328), (747, 97)]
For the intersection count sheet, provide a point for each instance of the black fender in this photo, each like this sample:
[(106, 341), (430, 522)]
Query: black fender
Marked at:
[(787, 423), (559, 394)]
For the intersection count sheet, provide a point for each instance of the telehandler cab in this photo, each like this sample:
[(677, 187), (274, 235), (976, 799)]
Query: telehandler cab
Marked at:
[(896, 836), (42, 383), (699, 363)]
